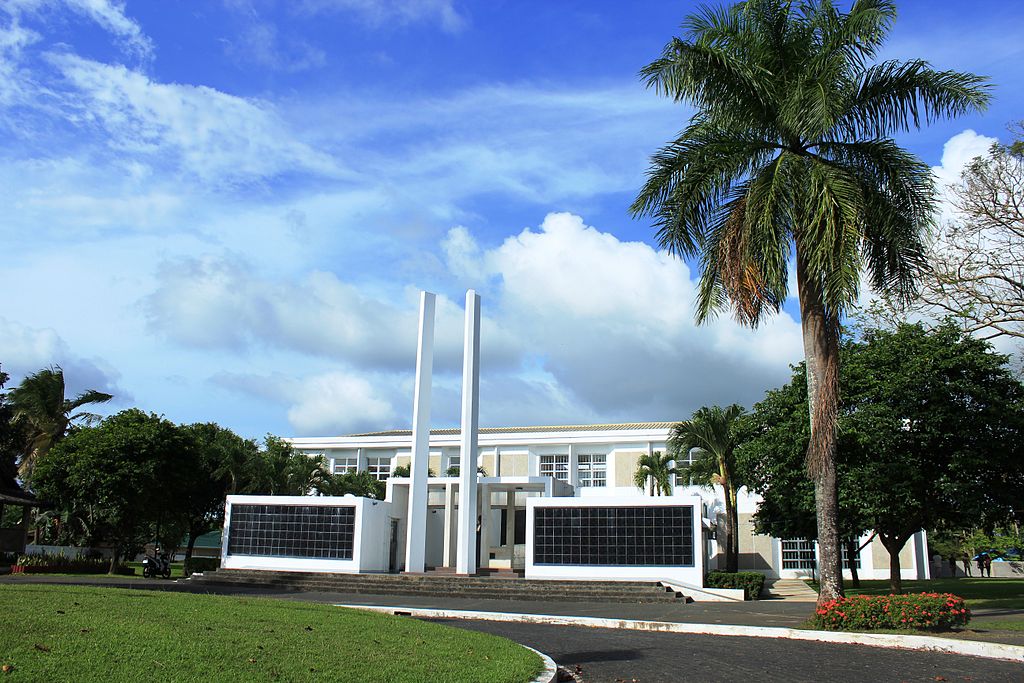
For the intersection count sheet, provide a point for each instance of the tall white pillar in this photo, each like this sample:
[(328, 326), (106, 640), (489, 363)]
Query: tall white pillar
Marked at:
[(466, 562), (416, 536)]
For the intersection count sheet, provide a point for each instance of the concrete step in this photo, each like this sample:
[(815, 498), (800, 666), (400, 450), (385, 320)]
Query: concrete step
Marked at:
[(416, 585)]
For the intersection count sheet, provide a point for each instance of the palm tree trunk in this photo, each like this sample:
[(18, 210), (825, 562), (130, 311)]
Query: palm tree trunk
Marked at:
[(821, 349), (732, 522)]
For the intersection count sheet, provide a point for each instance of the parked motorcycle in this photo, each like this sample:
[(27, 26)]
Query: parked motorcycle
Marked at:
[(157, 564)]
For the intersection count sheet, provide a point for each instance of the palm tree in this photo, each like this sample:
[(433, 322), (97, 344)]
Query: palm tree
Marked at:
[(710, 438), (655, 471), (788, 157), (45, 415)]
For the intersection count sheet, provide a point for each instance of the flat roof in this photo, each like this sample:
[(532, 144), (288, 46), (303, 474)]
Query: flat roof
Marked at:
[(542, 429)]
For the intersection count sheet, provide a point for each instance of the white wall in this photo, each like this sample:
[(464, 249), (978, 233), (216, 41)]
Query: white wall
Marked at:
[(369, 549), (690, 576)]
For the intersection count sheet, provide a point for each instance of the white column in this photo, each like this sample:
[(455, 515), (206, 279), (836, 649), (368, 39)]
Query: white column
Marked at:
[(449, 525), (485, 526), (467, 551), (497, 462), (416, 537)]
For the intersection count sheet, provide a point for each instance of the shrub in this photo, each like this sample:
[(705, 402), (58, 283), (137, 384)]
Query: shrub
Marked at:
[(750, 582), (922, 611), (201, 564), (46, 563)]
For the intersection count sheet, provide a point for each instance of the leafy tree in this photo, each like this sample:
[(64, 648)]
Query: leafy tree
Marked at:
[(122, 474), (655, 471), (711, 436), (280, 470), (361, 484), (406, 471), (789, 157), (931, 429), (12, 440), (772, 464), (977, 260), (211, 453), (45, 415)]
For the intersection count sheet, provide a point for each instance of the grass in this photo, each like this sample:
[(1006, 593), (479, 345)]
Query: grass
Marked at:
[(78, 633)]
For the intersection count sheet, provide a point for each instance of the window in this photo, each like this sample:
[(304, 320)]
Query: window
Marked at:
[(345, 465), (798, 553), (454, 462), (556, 466), (685, 461), (593, 469), (846, 557), (379, 467)]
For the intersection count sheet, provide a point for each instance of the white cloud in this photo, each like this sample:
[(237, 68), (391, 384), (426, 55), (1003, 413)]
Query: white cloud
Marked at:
[(338, 402), (206, 133), (221, 303), (957, 153), (108, 14), (27, 350), (379, 13), (611, 323)]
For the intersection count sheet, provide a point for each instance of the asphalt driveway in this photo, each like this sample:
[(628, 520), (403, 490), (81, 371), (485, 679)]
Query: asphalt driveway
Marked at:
[(618, 656)]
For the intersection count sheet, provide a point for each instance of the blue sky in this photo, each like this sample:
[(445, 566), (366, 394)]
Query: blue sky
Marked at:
[(224, 210)]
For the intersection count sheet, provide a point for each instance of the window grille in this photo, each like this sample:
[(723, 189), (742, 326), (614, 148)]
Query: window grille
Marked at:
[(593, 469), (556, 466), (798, 553)]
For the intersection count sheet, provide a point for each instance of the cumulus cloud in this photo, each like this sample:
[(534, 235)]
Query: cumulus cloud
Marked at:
[(957, 153), (221, 303), (204, 132), (612, 323), (333, 402), (27, 350)]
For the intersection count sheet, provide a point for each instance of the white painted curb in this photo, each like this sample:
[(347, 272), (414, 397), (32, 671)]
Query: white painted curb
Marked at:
[(550, 672), (974, 648)]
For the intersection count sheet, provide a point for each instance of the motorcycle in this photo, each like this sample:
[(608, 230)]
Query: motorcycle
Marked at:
[(157, 564)]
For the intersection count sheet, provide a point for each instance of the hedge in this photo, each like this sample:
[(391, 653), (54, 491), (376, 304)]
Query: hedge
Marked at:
[(46, 563), (923, 611), (201, 564), (750, 582)]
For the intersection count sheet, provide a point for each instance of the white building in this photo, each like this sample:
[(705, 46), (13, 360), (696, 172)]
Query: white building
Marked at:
[(553, 502)]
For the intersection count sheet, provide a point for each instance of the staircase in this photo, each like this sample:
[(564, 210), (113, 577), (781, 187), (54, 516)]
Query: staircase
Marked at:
[(442, 586)]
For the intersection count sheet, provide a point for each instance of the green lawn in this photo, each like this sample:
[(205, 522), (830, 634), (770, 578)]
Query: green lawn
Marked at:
[(78, 633)]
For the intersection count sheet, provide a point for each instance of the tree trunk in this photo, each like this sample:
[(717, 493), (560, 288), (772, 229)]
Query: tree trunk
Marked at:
[(732, 526), (191, 545), (113, 560), (894, 544), (851, 554), (821, 349)]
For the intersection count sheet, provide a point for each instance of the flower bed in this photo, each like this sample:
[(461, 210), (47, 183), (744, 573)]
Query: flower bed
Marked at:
[(921, 611)]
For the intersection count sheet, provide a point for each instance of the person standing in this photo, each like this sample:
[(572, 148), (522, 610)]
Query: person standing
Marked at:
[(967, 564), (981, 564), (988, 566)]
